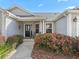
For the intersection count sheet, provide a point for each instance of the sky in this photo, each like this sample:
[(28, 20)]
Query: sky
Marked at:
[(41, 5)]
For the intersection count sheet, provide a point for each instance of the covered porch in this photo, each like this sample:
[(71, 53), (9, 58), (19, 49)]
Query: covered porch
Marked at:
[(28, 27)]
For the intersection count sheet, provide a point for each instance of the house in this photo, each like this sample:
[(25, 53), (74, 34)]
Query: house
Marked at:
[(17, 20)]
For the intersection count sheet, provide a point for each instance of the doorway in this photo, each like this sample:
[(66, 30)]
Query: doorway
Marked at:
[(28, 31)]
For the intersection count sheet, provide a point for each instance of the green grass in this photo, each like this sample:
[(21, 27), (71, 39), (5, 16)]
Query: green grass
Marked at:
[(4, 50)]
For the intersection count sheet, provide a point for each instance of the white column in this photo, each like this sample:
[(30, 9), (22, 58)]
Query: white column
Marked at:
[(43, 26), (77, 27), (52, 27), (69, 25), (24, 30), (3, 24), (40, 28)]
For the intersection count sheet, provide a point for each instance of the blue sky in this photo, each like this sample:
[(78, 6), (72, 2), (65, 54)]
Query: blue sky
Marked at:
[(41, 5)]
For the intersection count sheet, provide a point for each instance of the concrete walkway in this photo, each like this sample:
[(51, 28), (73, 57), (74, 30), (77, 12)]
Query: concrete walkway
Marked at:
[(24, 50)]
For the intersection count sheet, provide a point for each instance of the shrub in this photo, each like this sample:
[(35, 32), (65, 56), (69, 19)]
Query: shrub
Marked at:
[(11, 40), (38, 39), (16, 39), (2, 39), (20, 39), (57, 43), (10, 44), (42, 40)]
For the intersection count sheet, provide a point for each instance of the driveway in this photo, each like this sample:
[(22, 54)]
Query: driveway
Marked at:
[(24, 50)]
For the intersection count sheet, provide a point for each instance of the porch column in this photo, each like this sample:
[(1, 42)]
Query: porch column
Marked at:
[(52, 27), (77, 28), (69, 25), (43, 26), (3, 25), (40, 28)]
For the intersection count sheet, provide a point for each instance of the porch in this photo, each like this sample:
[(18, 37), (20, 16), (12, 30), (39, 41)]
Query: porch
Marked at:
[(30, 28)]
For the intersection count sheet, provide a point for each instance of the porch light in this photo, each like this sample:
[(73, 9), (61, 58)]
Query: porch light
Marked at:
[(75, 19), (19, 27)]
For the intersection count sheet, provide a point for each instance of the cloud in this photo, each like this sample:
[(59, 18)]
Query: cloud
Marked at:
[(40, 5), (70, 7), (62, 0)]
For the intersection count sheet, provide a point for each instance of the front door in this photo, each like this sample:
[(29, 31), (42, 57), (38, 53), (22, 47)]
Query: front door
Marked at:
[(27, 30)]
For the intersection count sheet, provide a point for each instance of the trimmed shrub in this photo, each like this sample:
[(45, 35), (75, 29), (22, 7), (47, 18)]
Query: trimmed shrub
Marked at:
[(57, 43), (16, 39), (38, 39), (20, 39)]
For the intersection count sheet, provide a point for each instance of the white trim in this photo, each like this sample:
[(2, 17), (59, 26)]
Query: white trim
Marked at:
[(77, 31), (24, 27), (40, 27), (69, 25), (43, 26), (24, 30), (52, 27), (3, 25)]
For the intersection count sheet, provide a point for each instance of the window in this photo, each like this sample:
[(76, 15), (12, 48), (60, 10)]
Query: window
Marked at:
[(48, 28), (37, 28)]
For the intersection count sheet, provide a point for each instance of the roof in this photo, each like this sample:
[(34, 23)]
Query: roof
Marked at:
[(67, 11), (19, 11), (49, 15)]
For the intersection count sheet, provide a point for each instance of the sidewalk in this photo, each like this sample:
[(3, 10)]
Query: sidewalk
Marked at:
[(24, 50)]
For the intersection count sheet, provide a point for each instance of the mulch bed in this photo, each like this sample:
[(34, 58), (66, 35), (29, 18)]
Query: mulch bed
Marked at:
[(38, 53)]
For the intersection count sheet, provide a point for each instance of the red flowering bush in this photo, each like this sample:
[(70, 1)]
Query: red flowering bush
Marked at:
[(38, 39), (2, 39), (57, 42), (42, 40)]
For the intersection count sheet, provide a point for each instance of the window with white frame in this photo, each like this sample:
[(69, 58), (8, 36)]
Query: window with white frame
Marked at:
[(48, 28)]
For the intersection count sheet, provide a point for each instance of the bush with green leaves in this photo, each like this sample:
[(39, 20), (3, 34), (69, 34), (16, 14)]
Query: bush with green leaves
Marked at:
[(18, 39)]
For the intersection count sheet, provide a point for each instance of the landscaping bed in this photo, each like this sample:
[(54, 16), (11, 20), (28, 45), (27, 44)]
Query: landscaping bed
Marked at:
[(55, 46), (38, 53), (10, 44)]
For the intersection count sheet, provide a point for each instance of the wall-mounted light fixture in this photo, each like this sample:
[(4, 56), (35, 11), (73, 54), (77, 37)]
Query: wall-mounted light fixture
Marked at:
[(19, 27), (75, 19)]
